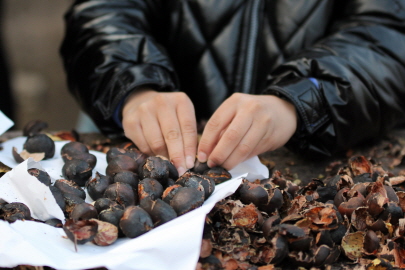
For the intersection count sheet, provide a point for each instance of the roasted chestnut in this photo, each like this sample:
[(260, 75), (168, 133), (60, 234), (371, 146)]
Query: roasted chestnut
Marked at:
[(58, 195), (121, 163), (135, 221), (169, 192), (88, 157), (190, 179), (155, 167), (97, 185), (122, 193), (200, 167), (69, 186), (149, 187), (78, 171), (41, 175), (253, 193), (83, 211), (105, 203), (15, 211), (159, 211), (34, 127), (218, 174), (40, 143), (127, 177), (112, 215), (187, 199), (71, 149), (71, 201)]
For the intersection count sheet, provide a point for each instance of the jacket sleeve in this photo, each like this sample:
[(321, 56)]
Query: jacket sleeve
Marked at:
[(109, 50), (360, 67)]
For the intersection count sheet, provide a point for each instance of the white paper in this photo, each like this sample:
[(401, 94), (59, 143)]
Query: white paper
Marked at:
[(19, 186), (174, 245), (5, 123)]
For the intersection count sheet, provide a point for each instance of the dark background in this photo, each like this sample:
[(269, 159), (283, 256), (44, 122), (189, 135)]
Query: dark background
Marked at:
[(32, 34)]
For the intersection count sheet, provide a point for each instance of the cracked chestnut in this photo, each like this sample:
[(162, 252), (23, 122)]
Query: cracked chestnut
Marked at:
[(97, 185), (41, 175), (159, 211), (187, 199), (40, 143), (83, 211), (121, 193), (121, 163), (15, 211), (78, 171)]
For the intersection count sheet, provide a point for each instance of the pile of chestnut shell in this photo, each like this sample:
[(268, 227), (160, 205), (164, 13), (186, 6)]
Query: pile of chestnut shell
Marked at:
[(136, 194), (356, 215)]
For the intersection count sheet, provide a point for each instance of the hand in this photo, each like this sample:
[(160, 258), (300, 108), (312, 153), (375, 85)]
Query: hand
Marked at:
[(245, 126), (162, 124)]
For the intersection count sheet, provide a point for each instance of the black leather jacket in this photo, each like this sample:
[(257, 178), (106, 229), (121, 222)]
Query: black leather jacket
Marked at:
[(355, 49)]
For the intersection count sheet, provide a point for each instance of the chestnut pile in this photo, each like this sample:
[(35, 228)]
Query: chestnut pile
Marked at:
[(19, 211), (355, 216), (136, 194)]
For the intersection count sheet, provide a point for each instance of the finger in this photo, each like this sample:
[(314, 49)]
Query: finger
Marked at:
[(153, 133), (172, 136), (134, 132), (188, 126), (136, 135), (248, 147), (213, 131), (230, 140)]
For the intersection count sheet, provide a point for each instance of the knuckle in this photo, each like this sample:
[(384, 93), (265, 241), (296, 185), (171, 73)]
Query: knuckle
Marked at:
[(212, 124), (237, 96), (244, 149), (158, 146), (160, 99), (144, 148), (267, 120), (217, 159), (189, 128), (203, 144), (172, 134), (254, 106), (180, 96), (143, 108), (127, 123), (232, 135), (176, 159)]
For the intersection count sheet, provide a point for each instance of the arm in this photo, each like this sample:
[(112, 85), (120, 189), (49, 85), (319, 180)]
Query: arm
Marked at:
[(114, 64), (360, 68), (109, 50)]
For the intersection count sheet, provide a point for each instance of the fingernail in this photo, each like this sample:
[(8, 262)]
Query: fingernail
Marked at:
[(211, 164), (189, 162), (202, 157), (181, 170)]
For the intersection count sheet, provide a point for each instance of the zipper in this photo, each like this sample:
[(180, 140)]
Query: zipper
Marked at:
[(252, 40)]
